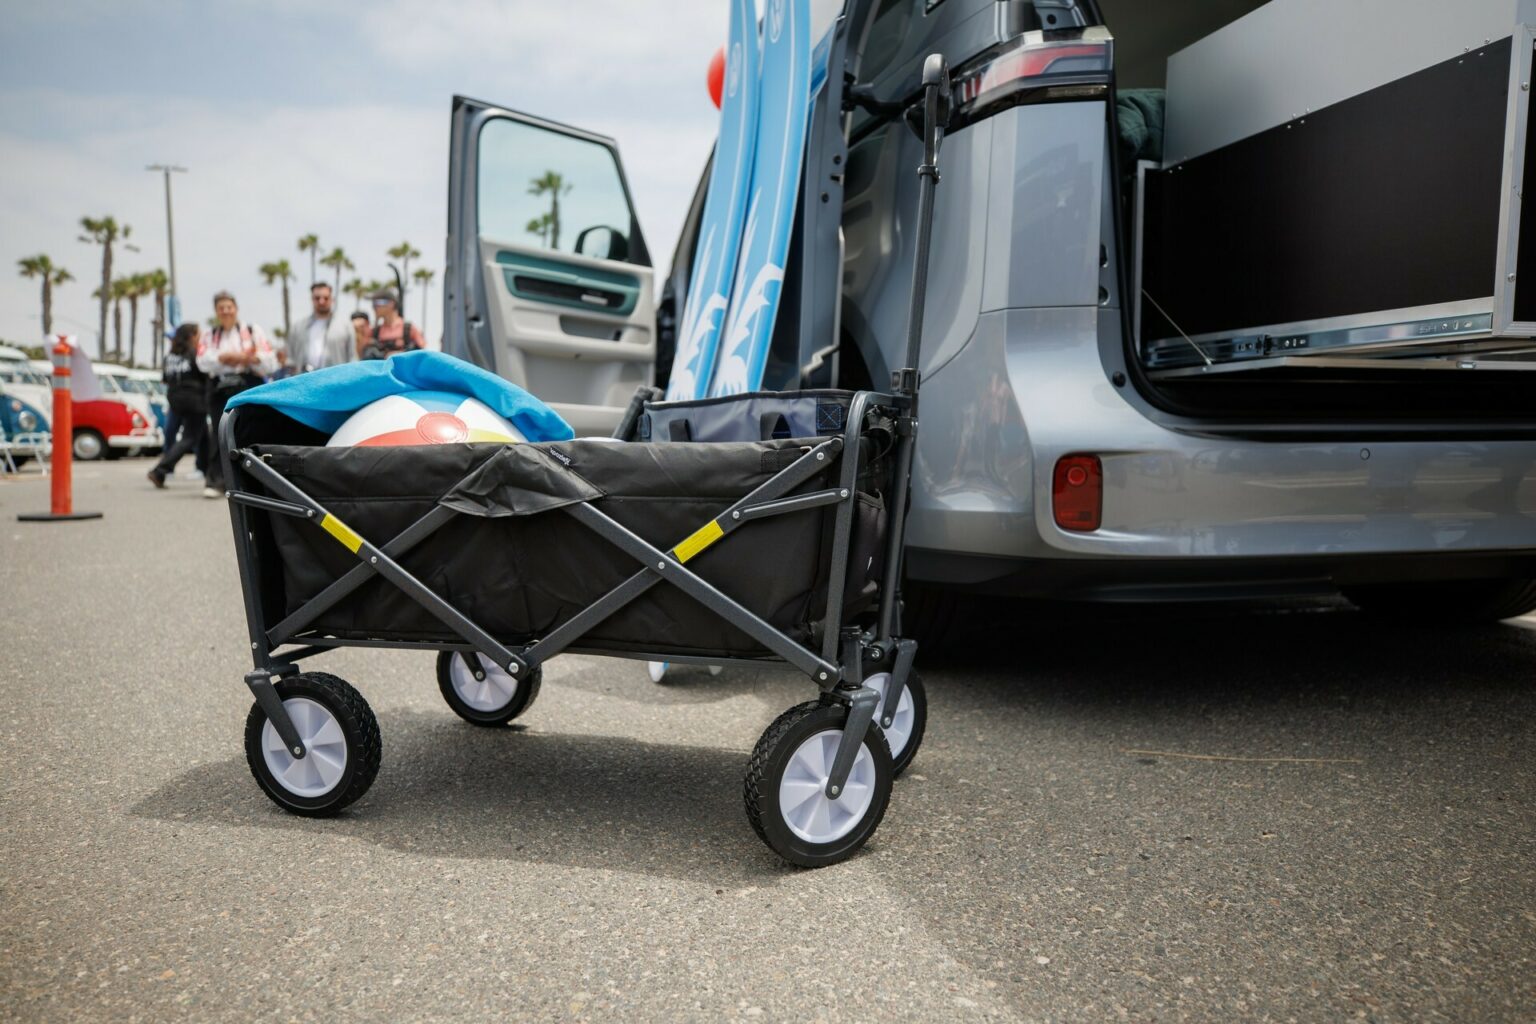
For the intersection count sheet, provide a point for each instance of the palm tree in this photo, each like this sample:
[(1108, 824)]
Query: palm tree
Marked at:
[(103, 231), (136, 287), (115, 292), (279, 271), (357, 290), (158, 284), (337, 259), (310, 243), (41, 266), (425, 277), (540, 226), (404, 252), (552, 184)]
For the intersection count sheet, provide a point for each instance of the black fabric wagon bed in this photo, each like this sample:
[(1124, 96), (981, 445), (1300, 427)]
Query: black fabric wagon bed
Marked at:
[(518, 566)]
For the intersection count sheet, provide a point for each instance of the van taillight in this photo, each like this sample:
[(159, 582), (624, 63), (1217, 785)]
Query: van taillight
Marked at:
[(1077, 493), (1055, 65)]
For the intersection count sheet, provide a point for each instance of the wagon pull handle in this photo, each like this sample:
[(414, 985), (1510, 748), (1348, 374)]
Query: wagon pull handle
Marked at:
[(936, 108)]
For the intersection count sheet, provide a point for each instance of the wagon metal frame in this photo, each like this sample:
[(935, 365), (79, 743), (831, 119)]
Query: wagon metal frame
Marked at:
[(277, 648)]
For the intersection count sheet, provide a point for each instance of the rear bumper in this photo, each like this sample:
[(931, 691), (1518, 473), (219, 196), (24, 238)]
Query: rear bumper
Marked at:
[(27, 447), (1133, 580), (1030, 387), (151, 438)]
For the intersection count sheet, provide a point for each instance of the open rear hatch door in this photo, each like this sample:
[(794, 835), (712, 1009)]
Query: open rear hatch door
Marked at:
[(548, 280), (1320, 216)]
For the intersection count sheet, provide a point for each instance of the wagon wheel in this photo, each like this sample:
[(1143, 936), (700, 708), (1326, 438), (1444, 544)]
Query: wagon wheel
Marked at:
[(905, 733), (495, 698), (786, 787), (341, 743)]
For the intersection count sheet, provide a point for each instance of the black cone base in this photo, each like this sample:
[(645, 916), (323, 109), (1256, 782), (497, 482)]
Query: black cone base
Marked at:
[(49, 517)]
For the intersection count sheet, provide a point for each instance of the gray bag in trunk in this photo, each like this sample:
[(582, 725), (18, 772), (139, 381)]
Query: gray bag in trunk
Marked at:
[(755, 416)]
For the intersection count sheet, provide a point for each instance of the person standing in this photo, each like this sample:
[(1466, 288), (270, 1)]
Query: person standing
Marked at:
[(285, 366), (186, 393), (362, 332), (324, 338), (236, 357), (391, 333)]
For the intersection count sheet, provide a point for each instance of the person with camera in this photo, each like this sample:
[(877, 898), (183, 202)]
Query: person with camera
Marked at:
[(236, 357), (391, 333)]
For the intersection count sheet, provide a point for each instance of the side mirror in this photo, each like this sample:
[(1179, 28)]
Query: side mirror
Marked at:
[(602, 242)]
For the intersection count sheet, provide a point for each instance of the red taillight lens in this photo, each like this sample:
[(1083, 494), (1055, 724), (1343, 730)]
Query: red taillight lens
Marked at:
[(1077, 493), (1032, 57)]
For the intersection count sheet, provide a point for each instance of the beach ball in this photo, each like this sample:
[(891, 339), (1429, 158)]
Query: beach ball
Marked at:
[(423, 417)]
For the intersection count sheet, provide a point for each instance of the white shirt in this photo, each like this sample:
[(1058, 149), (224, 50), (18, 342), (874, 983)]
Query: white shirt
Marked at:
[(215, 340), (316, 350)]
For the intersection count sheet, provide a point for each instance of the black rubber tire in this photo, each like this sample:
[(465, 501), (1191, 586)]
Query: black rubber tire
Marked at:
[(1447, 602), (365, 747), (97, 445), (765, 771), (523, 696), (929, 615), (919, 693)]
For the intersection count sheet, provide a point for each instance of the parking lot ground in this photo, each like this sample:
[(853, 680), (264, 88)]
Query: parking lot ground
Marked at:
[(1285, 813)]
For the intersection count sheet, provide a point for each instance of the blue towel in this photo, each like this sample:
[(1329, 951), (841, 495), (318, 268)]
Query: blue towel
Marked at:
[(325, 398)]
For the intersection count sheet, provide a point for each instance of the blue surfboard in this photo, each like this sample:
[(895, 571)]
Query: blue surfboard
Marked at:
[(725, 205), (782, 117)]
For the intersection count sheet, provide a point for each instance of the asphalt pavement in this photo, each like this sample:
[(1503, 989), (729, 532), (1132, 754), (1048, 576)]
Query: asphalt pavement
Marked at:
[(1285, 813)]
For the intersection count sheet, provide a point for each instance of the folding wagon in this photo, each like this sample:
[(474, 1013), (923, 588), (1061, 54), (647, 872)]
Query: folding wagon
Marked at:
[(500, 557)]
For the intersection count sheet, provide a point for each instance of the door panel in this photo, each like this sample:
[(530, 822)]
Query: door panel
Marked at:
[(549, 281)]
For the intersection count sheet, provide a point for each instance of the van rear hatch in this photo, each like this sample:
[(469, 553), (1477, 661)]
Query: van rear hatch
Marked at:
[(1336, 229)]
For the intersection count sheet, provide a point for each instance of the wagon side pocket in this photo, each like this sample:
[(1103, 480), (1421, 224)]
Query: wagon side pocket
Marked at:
[(866, 555)]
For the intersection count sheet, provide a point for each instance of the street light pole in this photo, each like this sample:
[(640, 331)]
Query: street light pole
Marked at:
[(170, 235)]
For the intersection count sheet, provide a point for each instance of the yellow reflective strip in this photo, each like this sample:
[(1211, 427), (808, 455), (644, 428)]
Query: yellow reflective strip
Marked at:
[(342, 532), (701, 538)]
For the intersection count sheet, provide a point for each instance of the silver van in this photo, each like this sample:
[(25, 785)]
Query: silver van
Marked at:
[(1111, 411)]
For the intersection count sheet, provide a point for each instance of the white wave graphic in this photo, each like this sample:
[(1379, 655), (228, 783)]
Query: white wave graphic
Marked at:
[(731, 376)]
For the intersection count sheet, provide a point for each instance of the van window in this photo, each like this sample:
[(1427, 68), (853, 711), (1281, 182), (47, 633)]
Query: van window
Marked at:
[(14, 371), (544, 189), (887, 31)]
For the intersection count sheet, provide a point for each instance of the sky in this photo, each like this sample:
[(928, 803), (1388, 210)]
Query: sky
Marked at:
[(314, 117)]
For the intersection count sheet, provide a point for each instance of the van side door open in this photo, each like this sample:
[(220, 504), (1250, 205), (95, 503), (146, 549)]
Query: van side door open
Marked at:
[(548, 280)]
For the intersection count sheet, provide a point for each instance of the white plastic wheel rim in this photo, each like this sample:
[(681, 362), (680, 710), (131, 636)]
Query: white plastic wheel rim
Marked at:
[(321, 768), (900, 730), (803, 802), (493, 693)]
